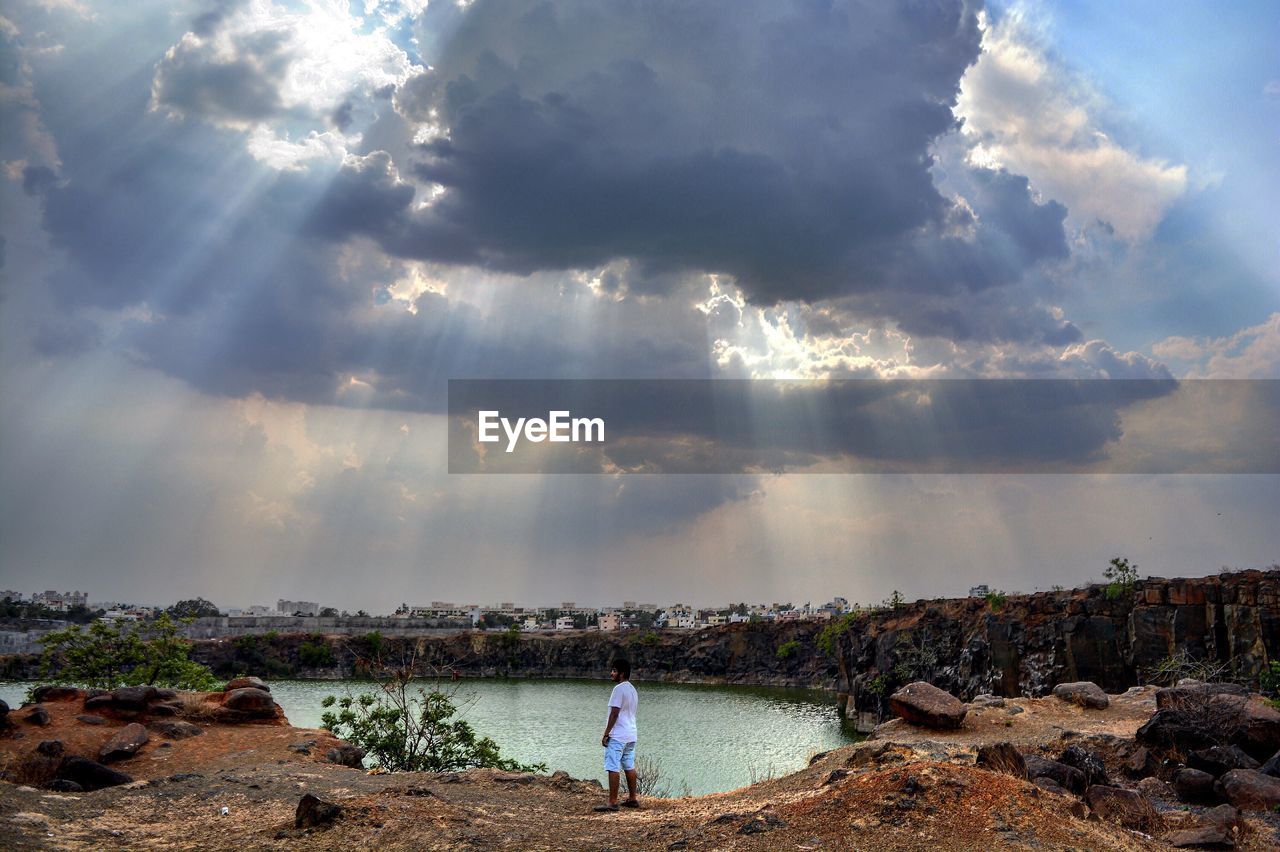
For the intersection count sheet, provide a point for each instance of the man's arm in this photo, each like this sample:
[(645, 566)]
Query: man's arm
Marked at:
[(613, 717)]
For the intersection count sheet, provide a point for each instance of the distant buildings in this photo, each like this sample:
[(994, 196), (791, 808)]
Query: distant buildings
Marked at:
[(980, 591), (60, 601), (306, 608)]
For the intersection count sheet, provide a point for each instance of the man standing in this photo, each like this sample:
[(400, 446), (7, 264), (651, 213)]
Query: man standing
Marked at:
[(619, 738)]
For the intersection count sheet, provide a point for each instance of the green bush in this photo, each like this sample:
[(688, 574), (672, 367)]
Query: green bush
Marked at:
[(108, 655), (787, 649), (829, 637), (996, 600), (406, 730), (1121, 578), (1269, 680), (315, 653)]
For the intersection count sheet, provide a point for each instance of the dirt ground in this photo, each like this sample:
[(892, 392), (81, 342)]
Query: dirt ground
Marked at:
[(920, 791)]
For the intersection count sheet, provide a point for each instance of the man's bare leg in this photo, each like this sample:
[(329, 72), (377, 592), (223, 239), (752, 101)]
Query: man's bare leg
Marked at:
[(632, 783), (613, 785)]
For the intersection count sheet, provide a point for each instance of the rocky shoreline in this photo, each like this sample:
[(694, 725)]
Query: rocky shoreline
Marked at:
[(1194, 766)]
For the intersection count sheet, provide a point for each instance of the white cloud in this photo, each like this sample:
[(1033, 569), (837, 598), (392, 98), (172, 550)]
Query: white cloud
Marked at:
[(1250, 353), (1024, 112)]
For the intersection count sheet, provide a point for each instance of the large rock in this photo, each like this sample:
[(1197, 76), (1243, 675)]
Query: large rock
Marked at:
[(246, 683), (1088, 762), (1002, 757), (1170, 728), (131, 697), (251, 701), (175, 729), (37, 716), (1083, 693), (124, 744), (346, 754), (1175, 696), (1250, 790), (924, 704), (51, 748), (98, 702), (1196, 787), (1217, 760), (1272, 766), (1200, 837), (1259, 730), (1124, 808), (1066, 777), (42, 694), (90, 774), (313, 812)]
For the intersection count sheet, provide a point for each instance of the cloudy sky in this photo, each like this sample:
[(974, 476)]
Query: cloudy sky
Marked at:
[(246, 244)]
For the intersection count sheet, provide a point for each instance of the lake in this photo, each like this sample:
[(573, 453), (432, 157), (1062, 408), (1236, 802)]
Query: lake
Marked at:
[(713, 738)]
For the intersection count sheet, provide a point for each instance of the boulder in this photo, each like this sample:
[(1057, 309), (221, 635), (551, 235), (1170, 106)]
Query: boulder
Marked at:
[(51, 748), (90, 774), (924, 704), (131, 697), (1067, 777), (1140, 764), (313, 812), (1174, 696), (1157, 791), (251, 701), (176, 729), (37, 716), (1250, 790), (346, 755), (62, 785), (1259, 729), (1049, 784), (1002, 757), (1084, 693), (1195, 786), (1171, 728), (1124, 808), (1217, 760), (98, 702), (1201, 837), (246, 683), (1088, 762), (124, 744), (89, 719), (1272, 766), (42, 694)]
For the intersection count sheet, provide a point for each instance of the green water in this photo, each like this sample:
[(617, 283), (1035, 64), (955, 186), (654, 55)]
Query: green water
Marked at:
[(714, 738)]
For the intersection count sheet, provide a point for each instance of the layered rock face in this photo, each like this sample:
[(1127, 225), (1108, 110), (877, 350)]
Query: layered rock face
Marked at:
[(1037, 641)]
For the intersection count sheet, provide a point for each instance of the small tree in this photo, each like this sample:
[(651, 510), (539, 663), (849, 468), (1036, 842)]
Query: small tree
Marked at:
[(1121, 578), (108, 655), (194, 608), (404, 728)]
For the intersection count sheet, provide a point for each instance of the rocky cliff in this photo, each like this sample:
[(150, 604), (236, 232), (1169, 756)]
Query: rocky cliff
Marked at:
[(1024, 645)]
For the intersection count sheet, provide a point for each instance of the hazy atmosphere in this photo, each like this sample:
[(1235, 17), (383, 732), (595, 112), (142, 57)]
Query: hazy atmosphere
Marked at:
[(246, 244)]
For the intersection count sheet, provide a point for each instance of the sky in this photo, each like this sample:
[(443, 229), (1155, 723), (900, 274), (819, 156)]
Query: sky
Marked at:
[(247, 243)]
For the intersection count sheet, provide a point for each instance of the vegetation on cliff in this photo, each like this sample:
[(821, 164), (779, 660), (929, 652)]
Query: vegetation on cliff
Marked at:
[(106, 655)]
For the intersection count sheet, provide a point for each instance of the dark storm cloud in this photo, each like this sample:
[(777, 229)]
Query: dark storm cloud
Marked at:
[(193, 79), (786, 145)]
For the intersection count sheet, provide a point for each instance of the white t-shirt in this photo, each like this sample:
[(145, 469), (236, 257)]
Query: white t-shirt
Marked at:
[(625, 699)]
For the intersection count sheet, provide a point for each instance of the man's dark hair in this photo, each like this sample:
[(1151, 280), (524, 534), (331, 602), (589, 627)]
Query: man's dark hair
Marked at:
[(623, 665)]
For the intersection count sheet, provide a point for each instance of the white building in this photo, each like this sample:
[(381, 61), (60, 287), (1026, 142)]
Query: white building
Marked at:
[(307, 608), (61, 601), (564, 622)]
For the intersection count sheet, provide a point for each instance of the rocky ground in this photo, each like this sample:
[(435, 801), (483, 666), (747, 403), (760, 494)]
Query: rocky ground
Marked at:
[(1056, 772)]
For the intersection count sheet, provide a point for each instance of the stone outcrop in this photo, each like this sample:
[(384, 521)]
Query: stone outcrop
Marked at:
[(1250, 790), (924, 704), (1038, 641), (90, 774), (124, 744), (1084, 693)]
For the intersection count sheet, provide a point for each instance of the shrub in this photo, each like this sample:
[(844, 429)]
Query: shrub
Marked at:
[(407, 729), (1121, 577), (315, 653), (829, 637), (1182, 665), (650, 638), (787, 649), (996, 600), (109, 655), (1269, 682)]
